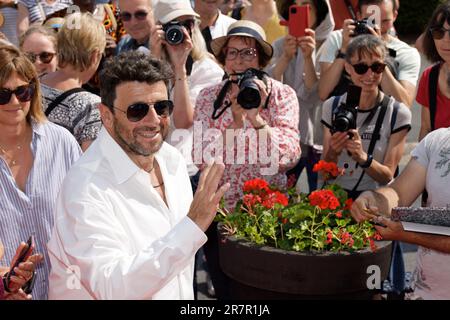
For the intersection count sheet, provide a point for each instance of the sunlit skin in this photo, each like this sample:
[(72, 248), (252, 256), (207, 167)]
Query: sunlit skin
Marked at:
[(443, 46), (14, 113), (37, 43)]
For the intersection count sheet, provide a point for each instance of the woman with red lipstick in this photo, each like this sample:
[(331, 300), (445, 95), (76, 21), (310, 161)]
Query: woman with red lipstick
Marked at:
[(433, 93)]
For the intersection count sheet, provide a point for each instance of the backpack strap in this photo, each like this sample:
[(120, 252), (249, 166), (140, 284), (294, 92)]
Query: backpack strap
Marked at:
[(394, 114), (61, 98), (376, 134), (432, 93)]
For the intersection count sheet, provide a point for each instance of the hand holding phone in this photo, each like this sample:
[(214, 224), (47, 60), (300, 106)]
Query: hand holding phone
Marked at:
[(24, 254), (298, 20)]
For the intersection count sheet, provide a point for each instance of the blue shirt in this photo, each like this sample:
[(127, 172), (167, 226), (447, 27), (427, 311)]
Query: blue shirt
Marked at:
[(127, 43), (31, 212)]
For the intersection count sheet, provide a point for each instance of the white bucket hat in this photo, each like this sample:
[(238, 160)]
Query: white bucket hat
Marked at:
[(165, 11)]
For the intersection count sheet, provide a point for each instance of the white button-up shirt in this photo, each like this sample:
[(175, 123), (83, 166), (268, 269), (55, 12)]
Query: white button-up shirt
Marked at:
[(114, 236)]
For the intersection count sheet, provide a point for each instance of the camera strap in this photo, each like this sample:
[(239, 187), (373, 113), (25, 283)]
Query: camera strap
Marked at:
[(350, 9), (375, 135), (219, 101)]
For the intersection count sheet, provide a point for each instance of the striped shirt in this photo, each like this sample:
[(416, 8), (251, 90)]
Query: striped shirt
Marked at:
[(38, 10), (22, 214)]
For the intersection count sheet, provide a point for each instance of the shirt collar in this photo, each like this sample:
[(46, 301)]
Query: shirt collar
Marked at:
[(122, 166), (38, 128)]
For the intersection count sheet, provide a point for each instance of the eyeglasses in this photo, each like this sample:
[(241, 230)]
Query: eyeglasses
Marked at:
[(23, 93), (137, 111), (439, 32), (361, 68), (138, 15), (246, 54), (44, 57)]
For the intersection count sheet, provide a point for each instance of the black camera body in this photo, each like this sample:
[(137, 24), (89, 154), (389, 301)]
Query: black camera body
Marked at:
[(362, 27), (173, 32), (344, 117), (249, 96)]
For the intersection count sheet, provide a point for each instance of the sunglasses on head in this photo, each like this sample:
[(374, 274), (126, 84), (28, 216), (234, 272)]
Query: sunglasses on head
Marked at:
[(137, 111), (44, 57), (23, 93), (439, 32), (361, 68), (138, 15)]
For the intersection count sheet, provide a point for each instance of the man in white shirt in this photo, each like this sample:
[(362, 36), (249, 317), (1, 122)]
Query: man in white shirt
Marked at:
[(126, 225), (213, 22)]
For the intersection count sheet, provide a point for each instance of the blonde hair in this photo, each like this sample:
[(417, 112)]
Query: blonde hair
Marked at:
[(46, 31), (79, 37), (12, 60)]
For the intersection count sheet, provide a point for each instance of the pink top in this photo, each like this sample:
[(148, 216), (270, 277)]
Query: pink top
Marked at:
[(262, 157)]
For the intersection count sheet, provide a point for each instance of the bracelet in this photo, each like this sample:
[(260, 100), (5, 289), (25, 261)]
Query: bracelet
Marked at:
[(340, 55), (368, 162)]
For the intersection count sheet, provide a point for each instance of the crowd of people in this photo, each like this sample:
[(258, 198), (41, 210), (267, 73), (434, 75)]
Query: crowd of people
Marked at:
[(125, 123)]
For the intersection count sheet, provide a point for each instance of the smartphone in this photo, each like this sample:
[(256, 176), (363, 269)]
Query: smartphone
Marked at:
[(298, 20), (24, 255)]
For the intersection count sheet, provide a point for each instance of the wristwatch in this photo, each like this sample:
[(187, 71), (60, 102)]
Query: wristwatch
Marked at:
[(340, 55), (368, 162)]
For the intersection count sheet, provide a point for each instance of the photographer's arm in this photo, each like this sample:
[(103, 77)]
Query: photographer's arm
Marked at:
[(282, 62), (333, 144), (380, 172), (402, 91), (307, 45)]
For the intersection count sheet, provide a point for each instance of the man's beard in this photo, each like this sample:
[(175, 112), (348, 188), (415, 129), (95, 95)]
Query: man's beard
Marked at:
[(132, 145)]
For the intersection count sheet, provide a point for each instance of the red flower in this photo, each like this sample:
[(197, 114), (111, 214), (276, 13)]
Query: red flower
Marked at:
[(339, 214), (324, 199), (328, 168), (348, 204), (285, 220), (291, 181), (377, 236), (256, 185), (251, 199), (274, 197)]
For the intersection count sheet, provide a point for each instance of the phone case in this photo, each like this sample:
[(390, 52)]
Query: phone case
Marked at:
[(298, 20)]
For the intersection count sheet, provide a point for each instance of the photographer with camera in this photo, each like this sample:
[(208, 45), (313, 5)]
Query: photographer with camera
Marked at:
[(398, 81), (248, 103), (294, 64), (365, 130), (178, 39)]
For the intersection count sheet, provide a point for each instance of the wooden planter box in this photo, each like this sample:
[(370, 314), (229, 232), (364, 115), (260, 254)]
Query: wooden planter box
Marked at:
[(262, 272)]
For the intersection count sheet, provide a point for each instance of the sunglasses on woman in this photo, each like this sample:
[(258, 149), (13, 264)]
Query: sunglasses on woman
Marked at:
[(138, 15), (137, 111), (361, 68), (23, 93), (44, 57), (439, 32)]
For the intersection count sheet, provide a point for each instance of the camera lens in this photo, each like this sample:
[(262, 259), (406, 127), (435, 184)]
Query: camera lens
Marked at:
[(342, 124), (174, 35)]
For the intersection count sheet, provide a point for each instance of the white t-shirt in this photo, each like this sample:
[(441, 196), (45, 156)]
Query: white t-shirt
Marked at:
[(402, 121), (220, 28), (432, 274), (407, 56)]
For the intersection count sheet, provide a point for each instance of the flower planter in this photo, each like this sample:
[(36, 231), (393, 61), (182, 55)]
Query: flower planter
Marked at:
[(262, 272)]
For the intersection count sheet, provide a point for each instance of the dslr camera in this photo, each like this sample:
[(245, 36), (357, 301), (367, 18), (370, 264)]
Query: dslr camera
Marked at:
[(344, 117), (362, 27), (249, 96), (173, 32)]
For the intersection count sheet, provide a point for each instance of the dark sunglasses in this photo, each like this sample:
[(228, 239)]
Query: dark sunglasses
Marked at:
[(439, 32), (137, 111), (361, 68), (44, 57), (138, 15), (23, 93)]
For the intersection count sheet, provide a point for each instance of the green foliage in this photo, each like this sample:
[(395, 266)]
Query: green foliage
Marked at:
[(414, 15)]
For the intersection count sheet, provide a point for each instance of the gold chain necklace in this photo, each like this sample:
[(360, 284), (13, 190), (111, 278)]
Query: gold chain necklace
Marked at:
[(4, 153)]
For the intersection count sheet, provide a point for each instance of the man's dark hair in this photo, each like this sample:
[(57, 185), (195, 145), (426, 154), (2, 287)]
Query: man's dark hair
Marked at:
[(362, 3), (131, 66), (438, 19)]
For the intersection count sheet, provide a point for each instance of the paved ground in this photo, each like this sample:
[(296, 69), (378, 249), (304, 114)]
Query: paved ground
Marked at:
[(409, 250)]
